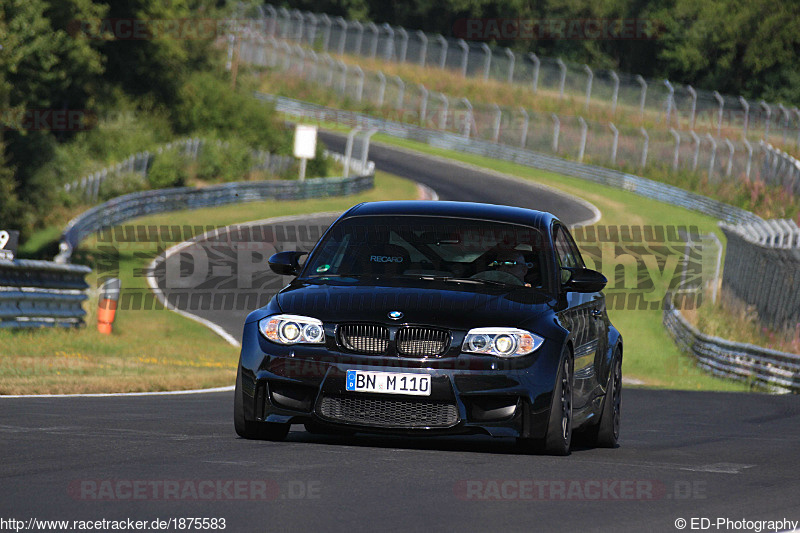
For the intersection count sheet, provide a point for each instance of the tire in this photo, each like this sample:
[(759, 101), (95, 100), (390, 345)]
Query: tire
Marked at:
[(558, 438), (606, 434), (253, 430)]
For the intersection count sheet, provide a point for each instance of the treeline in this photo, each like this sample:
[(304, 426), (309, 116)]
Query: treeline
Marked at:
[(749, 48), (84, 83)]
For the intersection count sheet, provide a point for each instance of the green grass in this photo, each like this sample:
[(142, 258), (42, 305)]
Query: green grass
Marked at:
[(156, 349), (650, 354)]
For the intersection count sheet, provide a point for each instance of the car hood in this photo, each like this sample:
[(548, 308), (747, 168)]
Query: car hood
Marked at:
[(446, 304)]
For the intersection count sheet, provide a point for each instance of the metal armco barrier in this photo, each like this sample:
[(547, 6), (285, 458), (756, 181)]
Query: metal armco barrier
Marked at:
[(762, 268), (771, 369), (129, 206), (41, 293), (451, 141)]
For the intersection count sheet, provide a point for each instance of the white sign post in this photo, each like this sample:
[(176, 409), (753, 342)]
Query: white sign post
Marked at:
[(305, 146)]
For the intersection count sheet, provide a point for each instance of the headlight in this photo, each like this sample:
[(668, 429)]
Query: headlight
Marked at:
[(502, 342), (292, 329)]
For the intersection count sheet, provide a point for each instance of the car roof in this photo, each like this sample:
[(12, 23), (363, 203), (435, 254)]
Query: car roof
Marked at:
[(472, 210)]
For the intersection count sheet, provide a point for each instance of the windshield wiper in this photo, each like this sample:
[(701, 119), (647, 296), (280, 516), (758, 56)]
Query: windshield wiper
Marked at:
[(476, 281)]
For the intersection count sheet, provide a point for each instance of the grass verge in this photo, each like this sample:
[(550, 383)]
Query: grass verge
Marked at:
[(149, 350)]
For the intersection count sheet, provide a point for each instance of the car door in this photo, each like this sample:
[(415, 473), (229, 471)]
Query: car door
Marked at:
[(584, 313)]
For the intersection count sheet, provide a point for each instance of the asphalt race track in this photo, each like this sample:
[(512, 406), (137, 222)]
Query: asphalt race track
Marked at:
[(683, 455)]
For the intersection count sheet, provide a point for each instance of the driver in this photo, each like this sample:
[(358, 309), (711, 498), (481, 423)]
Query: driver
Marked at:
[(509, 266)]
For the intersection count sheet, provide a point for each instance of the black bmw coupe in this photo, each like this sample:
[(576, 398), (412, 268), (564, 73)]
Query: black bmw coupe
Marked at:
[(433, 318)]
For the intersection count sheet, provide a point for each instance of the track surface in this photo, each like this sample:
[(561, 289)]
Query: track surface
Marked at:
[(688, 454)]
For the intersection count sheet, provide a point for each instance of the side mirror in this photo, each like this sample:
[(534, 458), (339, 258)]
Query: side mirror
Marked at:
[(286, 263), (584, 280)]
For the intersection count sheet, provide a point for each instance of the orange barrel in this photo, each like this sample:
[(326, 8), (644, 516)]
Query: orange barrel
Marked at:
[(107, 305)]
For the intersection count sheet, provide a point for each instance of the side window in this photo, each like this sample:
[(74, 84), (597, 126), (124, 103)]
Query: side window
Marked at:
[(565, 254), (576, 253)]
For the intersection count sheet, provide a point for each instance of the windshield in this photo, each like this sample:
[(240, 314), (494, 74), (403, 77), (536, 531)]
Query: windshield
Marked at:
[(431, 247)]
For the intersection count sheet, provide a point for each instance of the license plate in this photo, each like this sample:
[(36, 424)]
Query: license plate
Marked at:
[(389, 382)]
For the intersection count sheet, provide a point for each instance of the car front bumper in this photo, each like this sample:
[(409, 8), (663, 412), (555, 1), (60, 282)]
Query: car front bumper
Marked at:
[(469, 393)]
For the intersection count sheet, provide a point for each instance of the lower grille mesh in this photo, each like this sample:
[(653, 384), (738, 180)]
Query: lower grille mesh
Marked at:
[(388, 413)]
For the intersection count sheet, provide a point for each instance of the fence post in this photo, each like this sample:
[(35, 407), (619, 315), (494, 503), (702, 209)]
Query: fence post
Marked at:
[(729, 168), (670, 98), (563, 78), (365, 149), (343, 38), (645, 146), (423, 49), (359, 36), (721, 103), (556, 130), (766, 107), (285, 26), (614, 143), (373, 47), (326, 34), (696, 140), (615, 95), (498, 116), (443, 116), (785, 114), (589, 79), (796, 113), (360, 85), (693, 112), (524, 134), (512, 59), (487, 60), (381, 87), (713, 157), (401, 58), (746, 108), (312, 31), (388, 52), (536, 65), (343, 79), (331, 66), (423, 104), (273, 15), (643, 96), (298, 32), (443, 54), (584, 131), (464, 56), (468, 123), (676, 153), (749, 149), (401, 89), (301, 54), (348, 151)]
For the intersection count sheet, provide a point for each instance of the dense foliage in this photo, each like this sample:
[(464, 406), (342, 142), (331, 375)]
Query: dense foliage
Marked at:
[(130, 94)]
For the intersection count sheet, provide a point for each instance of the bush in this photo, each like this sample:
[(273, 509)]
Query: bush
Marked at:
[(124, 183), (208, 105), (168, 170), (224, 161)]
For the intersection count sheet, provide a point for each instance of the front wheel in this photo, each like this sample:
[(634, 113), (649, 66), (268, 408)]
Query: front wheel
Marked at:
[(558, 439), (249, 429)]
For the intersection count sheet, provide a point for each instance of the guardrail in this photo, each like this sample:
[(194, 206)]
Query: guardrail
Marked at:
[(778, 371), (129, 206), (41, 293), (452, 141), (762, 268)]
